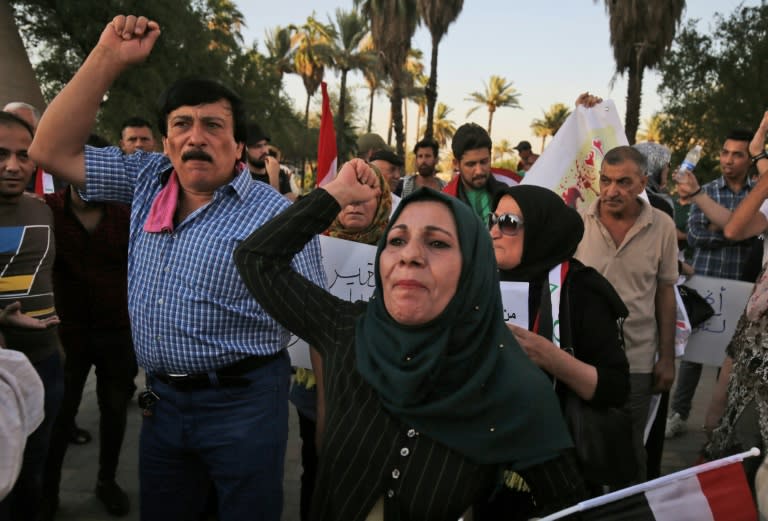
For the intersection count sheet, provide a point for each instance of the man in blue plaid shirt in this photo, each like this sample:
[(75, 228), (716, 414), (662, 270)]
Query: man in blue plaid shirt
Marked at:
[(713, 254), (216, 406)]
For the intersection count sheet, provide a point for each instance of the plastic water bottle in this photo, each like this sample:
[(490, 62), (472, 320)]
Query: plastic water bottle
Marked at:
[(690, 161)]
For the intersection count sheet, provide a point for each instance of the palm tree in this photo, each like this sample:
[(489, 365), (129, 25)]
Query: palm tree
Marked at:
[(437, 16), (443, 128), (641, 33), (419, 97), (307, 62), (551, 122), (280, 51), (498, 93), (393, 23), (502, 149), (373, 74), (414, 68), (225, 21), (652, 130), (347, 53)]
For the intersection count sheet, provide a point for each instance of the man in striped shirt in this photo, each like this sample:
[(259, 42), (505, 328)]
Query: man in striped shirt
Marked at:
[(216, 406)]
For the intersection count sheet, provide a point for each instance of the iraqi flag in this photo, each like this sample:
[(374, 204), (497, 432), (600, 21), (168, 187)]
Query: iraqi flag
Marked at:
[(326, 144), (714, 491), (506, 176)]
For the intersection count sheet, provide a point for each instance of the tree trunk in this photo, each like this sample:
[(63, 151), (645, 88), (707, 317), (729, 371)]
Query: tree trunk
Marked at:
[(17, 78), (634, 93), (419, 114), (431, 90), (405, 120), (391, 125), (397, 119), (370, 110), (490, 122), (306, 138), (341, 125), (543, 140)]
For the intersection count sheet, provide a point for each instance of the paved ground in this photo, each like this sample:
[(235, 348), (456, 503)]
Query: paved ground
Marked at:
[(79, 473)]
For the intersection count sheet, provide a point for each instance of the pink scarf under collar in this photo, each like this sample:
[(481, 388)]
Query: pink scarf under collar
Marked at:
[(160, 218)]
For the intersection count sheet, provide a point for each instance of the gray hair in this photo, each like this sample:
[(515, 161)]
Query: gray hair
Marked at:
[(13, 106)]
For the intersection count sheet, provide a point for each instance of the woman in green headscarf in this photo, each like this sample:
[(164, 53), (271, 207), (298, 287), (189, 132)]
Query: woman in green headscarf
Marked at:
[(428, 395)]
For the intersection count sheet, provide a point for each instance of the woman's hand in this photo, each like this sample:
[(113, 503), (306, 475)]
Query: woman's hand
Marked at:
[(757, 144), (540, 350), (356, 182)]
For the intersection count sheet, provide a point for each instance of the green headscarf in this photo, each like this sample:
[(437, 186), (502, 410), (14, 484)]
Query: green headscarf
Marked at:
[(373, 232), (462, 379)]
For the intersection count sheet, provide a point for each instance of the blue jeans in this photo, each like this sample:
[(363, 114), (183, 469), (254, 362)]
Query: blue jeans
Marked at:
[(23, 502), (233, 436)]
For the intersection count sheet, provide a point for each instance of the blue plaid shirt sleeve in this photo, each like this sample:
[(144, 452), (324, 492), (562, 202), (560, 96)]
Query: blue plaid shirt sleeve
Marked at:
[(699, 236), (111, 175)]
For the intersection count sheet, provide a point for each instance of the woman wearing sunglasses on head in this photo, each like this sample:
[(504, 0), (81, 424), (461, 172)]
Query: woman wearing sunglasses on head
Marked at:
[(534, 237)]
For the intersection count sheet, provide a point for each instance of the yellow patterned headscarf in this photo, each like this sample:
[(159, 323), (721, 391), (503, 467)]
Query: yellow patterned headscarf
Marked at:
[(373, 232)]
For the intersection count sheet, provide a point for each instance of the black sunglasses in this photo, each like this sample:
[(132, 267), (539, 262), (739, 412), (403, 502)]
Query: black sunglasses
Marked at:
[(509, 223)]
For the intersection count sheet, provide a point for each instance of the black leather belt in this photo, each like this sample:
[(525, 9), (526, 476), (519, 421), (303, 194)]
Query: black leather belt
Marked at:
[(229, 376)]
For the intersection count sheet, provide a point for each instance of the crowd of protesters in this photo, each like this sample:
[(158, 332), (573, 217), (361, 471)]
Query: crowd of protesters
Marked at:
[(198, 263)]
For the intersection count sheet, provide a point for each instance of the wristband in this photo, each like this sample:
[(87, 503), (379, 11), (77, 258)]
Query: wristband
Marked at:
[(694, 194), (758, 157)]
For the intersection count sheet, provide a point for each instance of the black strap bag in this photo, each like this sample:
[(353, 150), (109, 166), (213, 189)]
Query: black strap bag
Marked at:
[(696, 306), (602, 435)]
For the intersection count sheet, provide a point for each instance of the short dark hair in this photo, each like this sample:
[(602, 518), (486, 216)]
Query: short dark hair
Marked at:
[(388, 156), (98, 141), (197, 91), (620, 154), (134, 121), (427, 143), (8, 119), (254, 134), (740, 134), (469, 136)]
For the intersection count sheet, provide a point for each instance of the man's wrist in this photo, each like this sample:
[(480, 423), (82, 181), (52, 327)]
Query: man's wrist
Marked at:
[(694, 193), (758, 157)]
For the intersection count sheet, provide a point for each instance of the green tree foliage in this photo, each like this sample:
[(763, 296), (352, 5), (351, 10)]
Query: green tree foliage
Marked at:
[(443, 128), (437, 16), (715, 80), (393, 23), (551, 122), (200, 38), (347, 53), (641, 32), (498, 93)]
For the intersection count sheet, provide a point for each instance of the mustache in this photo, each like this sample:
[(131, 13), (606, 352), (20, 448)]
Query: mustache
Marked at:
[(196, 154)]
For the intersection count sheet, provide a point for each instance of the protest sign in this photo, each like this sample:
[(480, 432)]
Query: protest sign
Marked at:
[(570, 165), (514, 298), (728, 298), (349, 271)]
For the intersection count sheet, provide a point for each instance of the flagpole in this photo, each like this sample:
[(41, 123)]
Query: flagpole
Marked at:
[(648, 485)]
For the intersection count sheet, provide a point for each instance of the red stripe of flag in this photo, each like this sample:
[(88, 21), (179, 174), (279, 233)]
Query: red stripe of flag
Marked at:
[(727, 493), (326, 144)]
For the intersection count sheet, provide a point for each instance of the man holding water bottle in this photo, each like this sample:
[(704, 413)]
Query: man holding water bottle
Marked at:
[(713, 254)]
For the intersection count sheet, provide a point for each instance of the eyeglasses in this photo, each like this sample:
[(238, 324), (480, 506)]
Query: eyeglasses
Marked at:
[(509, 223)]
